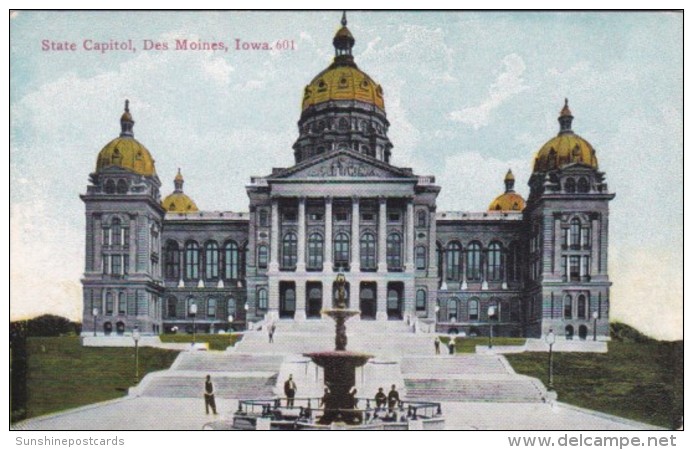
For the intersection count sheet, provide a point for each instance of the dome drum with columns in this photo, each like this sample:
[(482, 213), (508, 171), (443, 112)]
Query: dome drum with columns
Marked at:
[(536, 265)]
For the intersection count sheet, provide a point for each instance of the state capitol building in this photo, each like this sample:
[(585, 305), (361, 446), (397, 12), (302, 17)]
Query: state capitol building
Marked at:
[(523, 265)]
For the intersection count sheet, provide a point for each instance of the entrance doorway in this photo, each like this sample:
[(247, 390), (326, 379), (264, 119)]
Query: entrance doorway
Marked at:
[(314, 300), (582, 332), (394, 301), (287, 300), (367, 302)]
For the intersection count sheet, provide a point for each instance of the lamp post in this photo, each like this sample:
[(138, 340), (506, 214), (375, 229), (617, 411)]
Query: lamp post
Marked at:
[(95, 312), (595, 316), (491, 314), (136, 338), (230, 322), (193, 313), (550, 339)]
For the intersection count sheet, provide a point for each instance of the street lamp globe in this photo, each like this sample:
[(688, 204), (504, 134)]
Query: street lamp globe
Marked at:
[(550, 337)]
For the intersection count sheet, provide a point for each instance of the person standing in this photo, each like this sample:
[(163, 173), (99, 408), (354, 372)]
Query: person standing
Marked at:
[(392, 398), (270, 331), (290, 391), (451, 345), (436, 344), (209, 396)]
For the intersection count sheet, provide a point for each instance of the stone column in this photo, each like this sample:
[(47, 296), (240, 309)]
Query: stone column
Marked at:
[(382, 238), (409, 237), (300, 314), (327, 263), (463, 268), (432, 248), (301, 250), (355, 238), (381, 313), (94, 253), (484, 261), (557, 245), (409, 298), (443, 281), (504, 267), (274, 236), (595, 248), (273, 299)]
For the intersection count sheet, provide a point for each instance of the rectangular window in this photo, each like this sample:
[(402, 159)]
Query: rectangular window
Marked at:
[(368, 217), (393, 217), (420, 300), (341, 217), (262, 298), (109, 304), (421, 258), (586, 238), (315, 217), (211, 307), (122, 304), (116, 267), (106, 261), (106, 237), (126, 264), (262, 256), (585, 266), (126, 237), (264, 222), (574, 268), (290, 216)]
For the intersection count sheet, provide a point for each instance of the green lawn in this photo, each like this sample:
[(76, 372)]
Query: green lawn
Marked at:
[(62, 374), (640, 381), (215, 341), (468, 344)]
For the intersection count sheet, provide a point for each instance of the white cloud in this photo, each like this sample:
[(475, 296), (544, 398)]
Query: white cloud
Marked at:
[(508, 84)]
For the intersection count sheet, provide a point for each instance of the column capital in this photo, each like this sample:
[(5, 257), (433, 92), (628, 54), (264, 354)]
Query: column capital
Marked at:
[(302, 199), (382, 199), (328, 199), (355, 198)]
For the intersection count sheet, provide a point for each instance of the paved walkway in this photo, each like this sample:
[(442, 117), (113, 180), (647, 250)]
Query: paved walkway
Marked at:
[(147, 413)]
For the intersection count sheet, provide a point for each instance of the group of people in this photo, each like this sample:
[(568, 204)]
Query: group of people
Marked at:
[(450, 345)]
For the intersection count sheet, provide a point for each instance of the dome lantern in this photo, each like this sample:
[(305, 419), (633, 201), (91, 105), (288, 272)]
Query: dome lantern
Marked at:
[(509, 200), (126, 122), (343, 43), (177, 201), (509, 181), (565, 119), (178, 182)]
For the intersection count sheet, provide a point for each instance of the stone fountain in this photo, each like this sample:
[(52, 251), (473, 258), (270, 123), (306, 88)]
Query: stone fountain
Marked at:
[(340, 365)]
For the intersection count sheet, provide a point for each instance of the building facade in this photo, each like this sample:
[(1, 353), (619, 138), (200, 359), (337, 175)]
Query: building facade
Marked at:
[(521, 267)]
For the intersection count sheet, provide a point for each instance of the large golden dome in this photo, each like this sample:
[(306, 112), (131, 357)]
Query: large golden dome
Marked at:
[(125, 151), (509, 200), (343, 80), (177, 201), (566, 148)]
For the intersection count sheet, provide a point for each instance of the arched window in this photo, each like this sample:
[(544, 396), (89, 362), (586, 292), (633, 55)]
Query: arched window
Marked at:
[(570, 186), (473, 309), (211, 260), (568, 307), (262, 298), (343, 124), (453, 254), (574, 233), (231, 261), (231, 306), (583, 185), (582, 307), (495, 270), (189, 307), (421, 300), (513, 263), (122, 187), (452, 310), (394, 251), (110, 187), (421, 218), (420, 256), (211, 307), (474, 261), (315, 251), (493, 310), (172, 307), (116, 232), (122, 304), (109, 304), (290, 299), (367, 252), (262, 256), (341, 250), (289, 251), (192, 260)]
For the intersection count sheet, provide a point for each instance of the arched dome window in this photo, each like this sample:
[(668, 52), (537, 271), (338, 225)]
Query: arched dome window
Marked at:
[(110, 187), (583, 185), (570, 186), (122, 187), (343, 124)]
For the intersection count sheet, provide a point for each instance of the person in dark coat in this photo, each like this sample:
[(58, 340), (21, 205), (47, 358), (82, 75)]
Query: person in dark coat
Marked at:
[(392, 398), (380, 399), (270, 331), (451, 346), (209, 396), (290, 391)]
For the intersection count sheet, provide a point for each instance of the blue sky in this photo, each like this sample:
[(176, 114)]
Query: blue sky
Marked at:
[(468, 95)]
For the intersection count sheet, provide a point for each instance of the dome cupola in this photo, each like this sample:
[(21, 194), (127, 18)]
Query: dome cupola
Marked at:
[(177, 201), (509, 200)]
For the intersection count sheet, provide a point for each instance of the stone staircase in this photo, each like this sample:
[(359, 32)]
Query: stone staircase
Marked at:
[(183, 384), (227, 362), (468, 378)]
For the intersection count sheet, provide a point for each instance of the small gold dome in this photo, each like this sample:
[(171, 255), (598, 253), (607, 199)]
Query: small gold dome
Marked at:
[(178, 201), (508, 201), (343, 83), (566, 148), (127, 153)]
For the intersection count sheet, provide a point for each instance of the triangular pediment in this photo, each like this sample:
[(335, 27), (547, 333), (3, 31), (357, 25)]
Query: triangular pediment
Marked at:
[(342, 164)]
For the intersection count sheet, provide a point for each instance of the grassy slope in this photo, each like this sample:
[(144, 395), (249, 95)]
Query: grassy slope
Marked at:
[(62, 374), (468, 344), (641, 381)]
